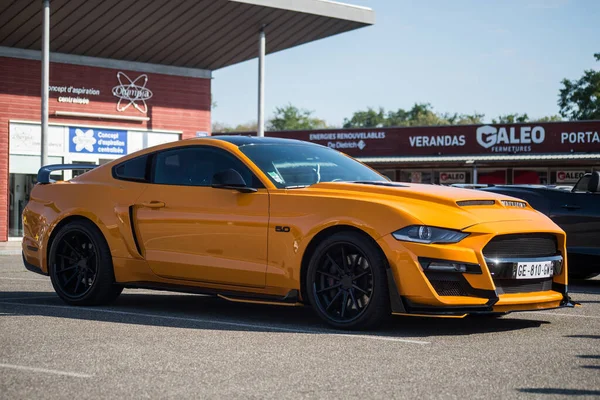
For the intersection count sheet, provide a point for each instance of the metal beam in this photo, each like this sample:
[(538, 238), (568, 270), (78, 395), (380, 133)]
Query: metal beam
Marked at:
[(261, 82), (45, 78)]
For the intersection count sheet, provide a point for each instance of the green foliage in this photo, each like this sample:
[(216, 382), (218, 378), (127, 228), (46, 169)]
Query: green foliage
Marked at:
[(290, 118), (551, 118), (218, 127), (511, 119), (580, 99), (421, 114)]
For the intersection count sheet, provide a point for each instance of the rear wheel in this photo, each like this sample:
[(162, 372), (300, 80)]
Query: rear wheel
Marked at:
[(346, 282), (80, 265)]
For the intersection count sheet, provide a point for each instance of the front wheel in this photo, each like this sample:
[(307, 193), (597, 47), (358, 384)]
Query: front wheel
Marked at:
[(80, 265), (346, 282)]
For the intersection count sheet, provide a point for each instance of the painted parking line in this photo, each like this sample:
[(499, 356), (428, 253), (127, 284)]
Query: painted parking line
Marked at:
[(46, 371), (23, 279), (568, 315), (225, 323), (28, 298)]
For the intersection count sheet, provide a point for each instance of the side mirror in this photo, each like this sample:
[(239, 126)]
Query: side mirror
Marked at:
[(231, 179)]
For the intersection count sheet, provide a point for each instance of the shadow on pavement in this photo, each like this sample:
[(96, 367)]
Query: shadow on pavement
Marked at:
[(591, 286), (206, 312)]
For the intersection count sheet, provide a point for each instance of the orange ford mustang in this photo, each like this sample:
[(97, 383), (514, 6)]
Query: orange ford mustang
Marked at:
[(281, 221)]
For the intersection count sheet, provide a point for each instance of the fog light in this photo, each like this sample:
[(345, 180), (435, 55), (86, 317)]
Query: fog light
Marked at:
[(449, 266)]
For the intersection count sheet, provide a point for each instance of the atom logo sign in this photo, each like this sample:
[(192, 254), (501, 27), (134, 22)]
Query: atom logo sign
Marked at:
[(84, 140), (132, 92)]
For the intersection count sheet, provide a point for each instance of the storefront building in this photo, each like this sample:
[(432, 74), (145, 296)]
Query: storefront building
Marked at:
[(534, 153), (96, 115), (125, 75)]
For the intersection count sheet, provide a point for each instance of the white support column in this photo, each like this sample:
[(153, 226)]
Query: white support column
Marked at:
[(45, 78), (261, 82), (474, 173)]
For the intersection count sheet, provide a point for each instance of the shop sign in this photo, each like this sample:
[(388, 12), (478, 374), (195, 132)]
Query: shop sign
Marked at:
[(453, 177), (416, 177), (347, 140), (536, 138), (27, 139), (72, 94), (568, 176), (132, 92), (510, 140), (97, 141)]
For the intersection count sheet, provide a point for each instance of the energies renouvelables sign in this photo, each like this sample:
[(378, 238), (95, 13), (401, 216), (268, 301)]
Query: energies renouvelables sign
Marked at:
[(534, 138)]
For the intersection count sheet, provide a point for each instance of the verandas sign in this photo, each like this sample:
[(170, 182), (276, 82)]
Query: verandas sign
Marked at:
[(132, 92)]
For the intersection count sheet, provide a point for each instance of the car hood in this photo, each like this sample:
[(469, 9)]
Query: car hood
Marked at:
[(434, 205)]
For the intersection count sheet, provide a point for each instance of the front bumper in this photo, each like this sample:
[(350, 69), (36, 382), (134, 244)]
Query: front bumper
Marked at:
[(411, 291)]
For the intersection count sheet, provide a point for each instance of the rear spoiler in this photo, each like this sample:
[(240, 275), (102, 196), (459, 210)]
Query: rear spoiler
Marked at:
[(43, 175)]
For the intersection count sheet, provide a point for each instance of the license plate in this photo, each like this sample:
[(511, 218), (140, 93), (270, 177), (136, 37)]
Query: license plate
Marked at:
[(533, 270)]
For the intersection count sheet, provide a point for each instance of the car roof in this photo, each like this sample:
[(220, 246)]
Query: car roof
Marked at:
[(240, 140)]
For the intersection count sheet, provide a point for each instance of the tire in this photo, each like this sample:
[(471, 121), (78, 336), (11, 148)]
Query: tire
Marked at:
[(352, 295), (81, 267)]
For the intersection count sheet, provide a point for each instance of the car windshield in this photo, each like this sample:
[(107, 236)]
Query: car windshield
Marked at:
[(299, 165)]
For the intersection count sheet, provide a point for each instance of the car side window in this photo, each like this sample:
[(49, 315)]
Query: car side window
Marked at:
[(132, 170), (582, 184), (196, 166)]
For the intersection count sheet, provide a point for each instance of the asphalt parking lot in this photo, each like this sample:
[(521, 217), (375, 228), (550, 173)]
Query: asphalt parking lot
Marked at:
[(164, 345)]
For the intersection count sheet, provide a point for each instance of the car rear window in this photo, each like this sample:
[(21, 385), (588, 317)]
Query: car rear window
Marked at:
[(132, 170)]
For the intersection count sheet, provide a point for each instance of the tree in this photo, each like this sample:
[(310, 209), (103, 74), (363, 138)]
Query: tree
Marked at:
[(580, 99), (511, 119), (219, 127), (288, 118), (366, 119), (550, 118), (421, 114)]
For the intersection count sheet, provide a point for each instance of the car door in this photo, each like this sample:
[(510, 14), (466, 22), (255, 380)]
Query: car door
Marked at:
[(191, 231), (578, 214)]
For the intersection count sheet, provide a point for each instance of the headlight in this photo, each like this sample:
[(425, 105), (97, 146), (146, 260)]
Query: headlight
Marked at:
[(429, 234)]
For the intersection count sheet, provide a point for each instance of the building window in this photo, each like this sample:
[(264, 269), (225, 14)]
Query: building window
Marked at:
[(416, 176), (497, 177), (530, 176)]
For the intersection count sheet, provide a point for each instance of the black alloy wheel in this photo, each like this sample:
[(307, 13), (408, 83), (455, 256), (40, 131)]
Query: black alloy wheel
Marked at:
[(75, 264), (80, 265), (346, 282)]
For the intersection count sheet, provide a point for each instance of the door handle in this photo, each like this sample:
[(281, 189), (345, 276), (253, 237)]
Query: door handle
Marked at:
[(153, 204), (571, 207)]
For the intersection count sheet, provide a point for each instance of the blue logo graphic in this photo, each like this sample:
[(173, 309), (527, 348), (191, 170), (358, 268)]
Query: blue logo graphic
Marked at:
[(97, 141)]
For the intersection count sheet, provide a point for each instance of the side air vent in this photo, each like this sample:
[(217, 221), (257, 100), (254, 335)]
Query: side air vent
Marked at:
[(468, 203), (131, 222)]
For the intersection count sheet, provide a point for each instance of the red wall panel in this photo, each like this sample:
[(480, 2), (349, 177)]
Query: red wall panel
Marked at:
[(177, 103)]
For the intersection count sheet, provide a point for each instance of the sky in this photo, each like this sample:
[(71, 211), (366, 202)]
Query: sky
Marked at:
[(488, 56)]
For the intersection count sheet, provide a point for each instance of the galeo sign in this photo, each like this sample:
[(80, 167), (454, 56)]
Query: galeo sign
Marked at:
[(132, 92), (509, 140)]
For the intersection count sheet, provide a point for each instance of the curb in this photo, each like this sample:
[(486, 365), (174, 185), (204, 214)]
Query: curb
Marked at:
[(15, 252)]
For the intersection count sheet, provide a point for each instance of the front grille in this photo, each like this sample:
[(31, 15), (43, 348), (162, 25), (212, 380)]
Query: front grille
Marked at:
[(446, 283), (523, 286), (448, 288), (521, 246)]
